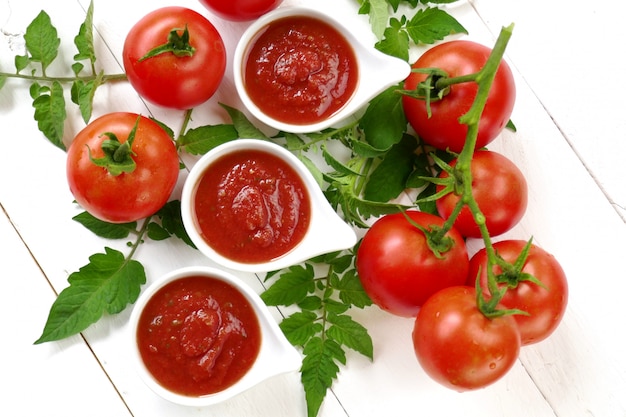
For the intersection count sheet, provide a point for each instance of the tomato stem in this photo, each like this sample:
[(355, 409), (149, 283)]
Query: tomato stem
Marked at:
[(176, 44), (31, 77)]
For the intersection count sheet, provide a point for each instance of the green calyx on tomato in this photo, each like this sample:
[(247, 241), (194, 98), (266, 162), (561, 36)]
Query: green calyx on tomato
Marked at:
[(118, 157), (512, 273), (176, 43)]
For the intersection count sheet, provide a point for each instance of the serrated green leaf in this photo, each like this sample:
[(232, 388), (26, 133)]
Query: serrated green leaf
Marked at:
[(351, 290), (105, 229), (200, 140), (357, 211), (432, 24), (335, 164), (389, 178), (172, 221), (319, 369), (300, 327), (384, 122), (50, 113), (107, 284), (378, 16), (82, 94), (293, 141), (291, 287), (157, 232), (84, 39), (243, 126), (395, 41), (311, 303), (335, 307), (42, 41), (21, 62), (348, 332), (315, 171)]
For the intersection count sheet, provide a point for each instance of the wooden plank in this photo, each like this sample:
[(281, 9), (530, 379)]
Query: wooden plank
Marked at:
[(61, 379), (578, 371)]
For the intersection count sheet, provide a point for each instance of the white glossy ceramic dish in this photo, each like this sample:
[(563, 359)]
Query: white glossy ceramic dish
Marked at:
[(327, 232), (276, 355), (377, 71)]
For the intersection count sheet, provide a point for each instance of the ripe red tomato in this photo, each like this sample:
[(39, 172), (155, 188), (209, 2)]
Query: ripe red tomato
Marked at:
[(458, 346), (500, 190), (129, 196), (443, 130), (546, 306), (397, 268), (180, 82), (240, 10)]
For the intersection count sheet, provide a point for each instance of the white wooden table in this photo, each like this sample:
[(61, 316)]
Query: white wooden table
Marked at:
[(570, 144)]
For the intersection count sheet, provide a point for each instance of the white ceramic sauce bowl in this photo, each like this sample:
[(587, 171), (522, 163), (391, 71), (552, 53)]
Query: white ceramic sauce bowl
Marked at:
[(276, 355), (376, 71), (327, 232)]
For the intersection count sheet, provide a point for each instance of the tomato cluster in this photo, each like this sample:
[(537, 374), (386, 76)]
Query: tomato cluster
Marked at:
[(472, 315), (122, 167)]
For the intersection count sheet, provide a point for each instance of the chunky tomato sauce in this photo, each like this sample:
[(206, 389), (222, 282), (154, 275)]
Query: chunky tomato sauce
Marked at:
[(300, 70), (251, 206), (198, 336)]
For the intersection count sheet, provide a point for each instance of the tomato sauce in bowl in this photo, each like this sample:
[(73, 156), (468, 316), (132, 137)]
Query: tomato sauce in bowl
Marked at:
[(251, 206), (198, 335), (300, 70)]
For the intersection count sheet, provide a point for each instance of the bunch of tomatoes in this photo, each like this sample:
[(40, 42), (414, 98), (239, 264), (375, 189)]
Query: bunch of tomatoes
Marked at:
[(173, 57), (472, 315)]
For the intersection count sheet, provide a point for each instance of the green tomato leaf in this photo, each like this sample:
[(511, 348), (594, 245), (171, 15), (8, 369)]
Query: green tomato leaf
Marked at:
[(105, 229), (106, 285), (82, 94), (200, 140), (84, 39), (317, 173), (384, 121), (157, 232), (50, 112), (395, 41), (378, 16), (244, 127), (21, 62), (389, 178), (351, 290), (172, 221), (300, 327), (42, 41), (346, 331), (432, 24), (319, 369), (335, 164), (291, 287)]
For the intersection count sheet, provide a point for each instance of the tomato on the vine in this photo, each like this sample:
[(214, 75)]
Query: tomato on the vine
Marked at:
[(545, 303), (442, 129), (398, 268), (458, 346), (240, 10), (500, 190), (174, 57), (126, 185)]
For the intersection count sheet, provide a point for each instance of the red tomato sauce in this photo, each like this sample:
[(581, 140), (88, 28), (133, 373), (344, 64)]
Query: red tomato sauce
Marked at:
[(300, 70), (251, 206), (198, 335)]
